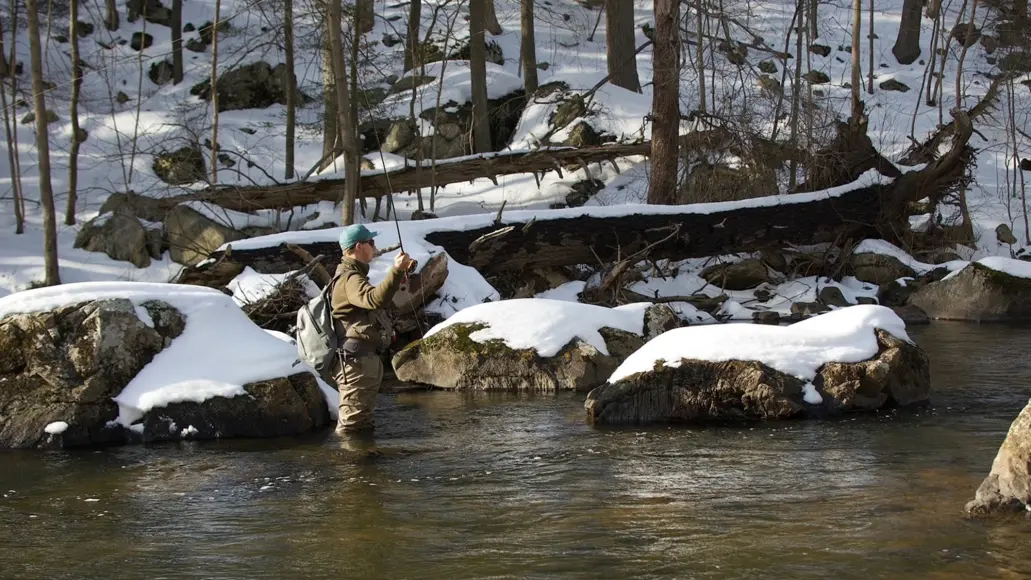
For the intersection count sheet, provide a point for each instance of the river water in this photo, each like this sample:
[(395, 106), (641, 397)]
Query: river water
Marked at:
[(517, 486)]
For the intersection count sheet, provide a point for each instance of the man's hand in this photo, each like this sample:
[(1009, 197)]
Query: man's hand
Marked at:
[(403, 262)]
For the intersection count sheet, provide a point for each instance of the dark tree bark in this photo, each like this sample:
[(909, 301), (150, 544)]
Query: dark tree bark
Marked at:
[(662, 188), (177, 41), (214, 93), (528, 48), (348, 139), (619, 41), (490, 18), (73, 112), (111, 16), (907, 44), (52, 277), (330, 126), (412, 47), (291, 88), (478, 66), (857, 76)]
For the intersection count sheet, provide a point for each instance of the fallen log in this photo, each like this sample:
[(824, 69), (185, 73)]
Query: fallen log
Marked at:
[(253, 198)]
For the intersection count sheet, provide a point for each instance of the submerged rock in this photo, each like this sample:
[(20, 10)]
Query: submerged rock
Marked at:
[(1008, 486), (979, 292), (704, 391)]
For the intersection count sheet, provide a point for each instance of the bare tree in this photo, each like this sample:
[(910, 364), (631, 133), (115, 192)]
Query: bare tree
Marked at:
[(73, 112), (490, 18), (291, 85), (907, 43), (177, 41), (619, 42), (12, 139), (52, 277), (701, 56), (662, 187), (963, 55), (857, 75), (478, 72), (412, 47), (796, 94), (871, 37), (111, 18), (364, 17), (528, 47), (330, 126), (348, 140), (214, 92)]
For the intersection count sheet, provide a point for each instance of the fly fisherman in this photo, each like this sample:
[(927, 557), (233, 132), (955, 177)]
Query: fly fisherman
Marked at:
[(362, 326)]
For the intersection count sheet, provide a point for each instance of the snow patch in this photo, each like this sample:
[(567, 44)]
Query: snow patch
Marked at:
[(144, 315), (56, 428), (546, 325), (845, 335), (250, 286)]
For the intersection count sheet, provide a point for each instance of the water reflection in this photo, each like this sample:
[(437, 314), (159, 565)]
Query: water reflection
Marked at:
[(471, 485)]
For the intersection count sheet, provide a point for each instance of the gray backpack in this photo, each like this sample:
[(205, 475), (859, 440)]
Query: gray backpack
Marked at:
[(317, 340)]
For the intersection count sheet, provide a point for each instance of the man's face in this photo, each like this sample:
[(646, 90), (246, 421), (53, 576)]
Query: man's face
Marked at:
[(365, 251)]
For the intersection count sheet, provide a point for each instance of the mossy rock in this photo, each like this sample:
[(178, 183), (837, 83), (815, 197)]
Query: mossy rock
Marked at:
[(450, 359), (976, 293), (179, 167)]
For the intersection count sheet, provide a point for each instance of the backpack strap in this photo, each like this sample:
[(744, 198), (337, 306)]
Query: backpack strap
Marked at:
[(329, 287)]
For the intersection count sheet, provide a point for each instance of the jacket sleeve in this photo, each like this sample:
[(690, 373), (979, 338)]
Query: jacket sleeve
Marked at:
[(356, 290)]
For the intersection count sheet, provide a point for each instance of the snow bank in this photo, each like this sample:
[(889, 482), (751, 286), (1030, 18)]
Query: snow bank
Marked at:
[(845, 335), (218, 353), (546, 325), (887, 249)]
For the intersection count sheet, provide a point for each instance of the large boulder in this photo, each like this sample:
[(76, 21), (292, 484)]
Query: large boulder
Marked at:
[(192, 235), (66, 371), (1008, 486), (730, 389), (182, 166), (743, 275), (879, 268), (153, 11), (122, 237), (66, 365), (983, 291), (254, 86), (452, 358)]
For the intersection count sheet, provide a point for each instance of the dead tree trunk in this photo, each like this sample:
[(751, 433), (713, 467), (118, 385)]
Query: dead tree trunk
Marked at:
[(528, 48), (52, 276), (662, 187), (73, 112), (620, 45), (478, 73), (907, 43), (330, 127)]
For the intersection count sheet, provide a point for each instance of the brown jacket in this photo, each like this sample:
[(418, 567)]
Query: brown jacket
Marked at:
[(356, 302)]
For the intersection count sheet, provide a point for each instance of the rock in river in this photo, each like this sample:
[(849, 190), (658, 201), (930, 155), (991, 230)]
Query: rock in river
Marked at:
[(109, 363), (855, 358), (990, 289), (1008, 486), (530, 344)]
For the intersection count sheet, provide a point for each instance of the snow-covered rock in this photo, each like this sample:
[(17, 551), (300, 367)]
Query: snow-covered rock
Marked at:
[(1008, 486), (855, 358), (530, 344), (120, 362), (990, 289)]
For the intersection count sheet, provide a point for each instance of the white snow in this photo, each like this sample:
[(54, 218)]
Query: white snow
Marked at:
[(569, 292), (250, 286), (811, 395), (1017, 268), (56, 428), (843, 335), (546, 325), (219, 351)]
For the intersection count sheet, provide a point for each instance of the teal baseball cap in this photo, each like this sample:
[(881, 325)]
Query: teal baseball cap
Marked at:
[(353, 234)]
